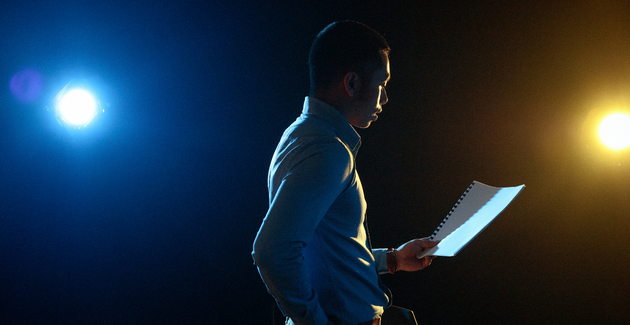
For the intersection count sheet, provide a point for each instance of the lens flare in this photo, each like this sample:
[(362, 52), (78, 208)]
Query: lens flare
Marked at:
[(26, 85)]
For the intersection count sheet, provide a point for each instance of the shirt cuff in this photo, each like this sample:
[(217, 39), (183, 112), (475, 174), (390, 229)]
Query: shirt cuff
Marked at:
[(380, 257)]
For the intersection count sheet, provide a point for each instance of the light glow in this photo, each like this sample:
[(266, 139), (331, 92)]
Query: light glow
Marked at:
[(614, 131), (77, 107)]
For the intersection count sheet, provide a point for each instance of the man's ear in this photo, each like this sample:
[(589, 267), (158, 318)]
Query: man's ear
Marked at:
[(352, 83)]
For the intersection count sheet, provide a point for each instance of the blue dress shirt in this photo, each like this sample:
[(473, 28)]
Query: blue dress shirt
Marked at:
[(311, 250)]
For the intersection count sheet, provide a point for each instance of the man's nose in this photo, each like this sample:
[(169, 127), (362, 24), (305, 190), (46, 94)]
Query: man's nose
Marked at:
[(384, 98)]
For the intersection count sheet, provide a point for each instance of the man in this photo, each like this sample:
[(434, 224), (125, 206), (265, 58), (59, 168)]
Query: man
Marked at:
[(312, 249)]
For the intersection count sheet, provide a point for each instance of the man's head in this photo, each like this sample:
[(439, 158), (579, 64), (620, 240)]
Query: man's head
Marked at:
[(349, 68)]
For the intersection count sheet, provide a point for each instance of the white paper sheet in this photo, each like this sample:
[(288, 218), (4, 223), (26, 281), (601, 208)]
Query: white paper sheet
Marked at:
[(477, 207)]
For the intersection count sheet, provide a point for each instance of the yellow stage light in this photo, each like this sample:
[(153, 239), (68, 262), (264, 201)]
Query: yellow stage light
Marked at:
[(614, 131)]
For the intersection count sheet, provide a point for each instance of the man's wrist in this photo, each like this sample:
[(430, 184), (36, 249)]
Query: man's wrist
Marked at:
[(392, 265)]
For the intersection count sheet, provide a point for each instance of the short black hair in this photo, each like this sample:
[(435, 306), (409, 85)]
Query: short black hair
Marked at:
[(342, 47)]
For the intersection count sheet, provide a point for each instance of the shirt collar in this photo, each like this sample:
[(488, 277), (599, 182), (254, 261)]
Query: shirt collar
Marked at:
[(331, 115)]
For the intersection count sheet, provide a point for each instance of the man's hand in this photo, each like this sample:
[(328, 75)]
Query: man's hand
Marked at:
[(406, 255)]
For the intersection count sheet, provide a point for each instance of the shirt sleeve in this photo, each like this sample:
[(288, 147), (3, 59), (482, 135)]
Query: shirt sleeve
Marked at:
[(301, 200)]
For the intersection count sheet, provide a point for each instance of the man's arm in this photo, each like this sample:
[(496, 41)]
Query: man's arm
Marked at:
[(305, 194)]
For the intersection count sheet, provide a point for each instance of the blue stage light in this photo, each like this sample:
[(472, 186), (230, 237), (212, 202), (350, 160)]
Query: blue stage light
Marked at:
[(75, 107)]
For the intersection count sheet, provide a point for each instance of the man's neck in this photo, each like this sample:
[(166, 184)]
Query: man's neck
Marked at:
[(333, 98)]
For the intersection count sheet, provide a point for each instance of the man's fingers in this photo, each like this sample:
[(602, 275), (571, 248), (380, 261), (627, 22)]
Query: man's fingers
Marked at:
[(426, 243), (425, 261)]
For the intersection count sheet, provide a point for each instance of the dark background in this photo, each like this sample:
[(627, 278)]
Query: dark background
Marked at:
[(147, 216)]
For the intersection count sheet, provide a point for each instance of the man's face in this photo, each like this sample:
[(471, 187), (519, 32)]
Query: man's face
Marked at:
[(370, 99)]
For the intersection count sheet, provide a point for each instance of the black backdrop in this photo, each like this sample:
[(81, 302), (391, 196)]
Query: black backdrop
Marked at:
[(147, 216)]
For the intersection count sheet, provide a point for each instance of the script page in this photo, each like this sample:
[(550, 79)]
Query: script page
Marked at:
[(474, 211)]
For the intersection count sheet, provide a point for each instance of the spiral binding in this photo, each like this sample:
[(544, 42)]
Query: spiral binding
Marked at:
[(451, 212)]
